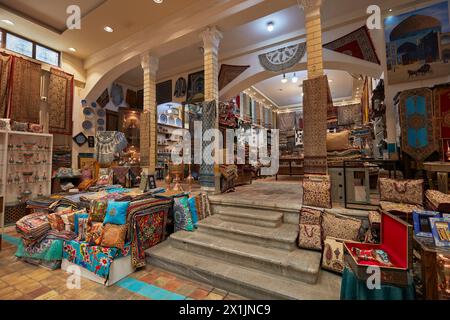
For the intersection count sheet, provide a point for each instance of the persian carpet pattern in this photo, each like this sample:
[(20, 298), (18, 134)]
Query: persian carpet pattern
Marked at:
[(60, 102), (315, 103), (416, 122), (228, 73), (356, 44), (283, 58), (25, 86)]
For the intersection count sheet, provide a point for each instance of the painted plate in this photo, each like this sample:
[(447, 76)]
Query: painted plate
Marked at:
[(101, 122), (100, 129), (94, 105), (101, 113), (84, 103), (80, 139), (87, 125), (178, 122), (88, 112), (163, 119)]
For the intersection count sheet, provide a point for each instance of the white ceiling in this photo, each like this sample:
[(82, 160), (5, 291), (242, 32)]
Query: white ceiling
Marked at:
[(133, 78), (290, 94)]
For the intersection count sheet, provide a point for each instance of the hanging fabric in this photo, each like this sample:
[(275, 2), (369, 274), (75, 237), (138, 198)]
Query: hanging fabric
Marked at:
[(5, 72), (108, 143), (180, 88), (25, 86), (60, 102), (117, 94)]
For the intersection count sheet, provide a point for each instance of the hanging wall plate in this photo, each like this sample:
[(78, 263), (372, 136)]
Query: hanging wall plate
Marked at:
[(163, 119), (80, 139), (101, 113), (101, 122), (94, 105), (87, 125), (84, 103), (100, 129), (88, 112)]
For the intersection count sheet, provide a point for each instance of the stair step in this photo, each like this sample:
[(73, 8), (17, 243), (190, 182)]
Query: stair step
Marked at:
[(250, 283), (257, 217), (283, 237), (302, 265)]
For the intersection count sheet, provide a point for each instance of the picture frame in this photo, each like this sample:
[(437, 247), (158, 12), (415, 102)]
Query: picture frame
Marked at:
[(91, 141), (422, 226), (80, 139), (440, 228)]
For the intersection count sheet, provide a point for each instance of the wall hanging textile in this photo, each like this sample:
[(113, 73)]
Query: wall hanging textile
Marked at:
[(282, 59), (286, 121), (228, 73), (164, 92), (117, 94), (180, 88), (107, 144), (131, 98), (356, 44), (25, 86), (209, 122), (146, 144), (416, 121), (5, 72), (196, 87), (442, 113), (103, 100), (315, 102), (60, 102), (365, 102), (348, 115)]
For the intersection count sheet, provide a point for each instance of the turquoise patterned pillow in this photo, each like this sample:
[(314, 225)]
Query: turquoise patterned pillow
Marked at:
[(77, 217), (193, 209), (116, 213), (182, 215)]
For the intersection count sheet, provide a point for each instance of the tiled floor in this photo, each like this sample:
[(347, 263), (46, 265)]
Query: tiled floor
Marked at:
[(22, 281)]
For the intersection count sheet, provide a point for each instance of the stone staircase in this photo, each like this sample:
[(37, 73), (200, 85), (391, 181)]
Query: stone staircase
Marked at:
[(248, 249)]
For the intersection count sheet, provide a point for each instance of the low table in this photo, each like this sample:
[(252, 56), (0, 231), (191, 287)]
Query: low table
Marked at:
[(442, 169)]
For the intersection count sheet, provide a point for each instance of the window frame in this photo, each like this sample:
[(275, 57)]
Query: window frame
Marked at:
[(4, 33)]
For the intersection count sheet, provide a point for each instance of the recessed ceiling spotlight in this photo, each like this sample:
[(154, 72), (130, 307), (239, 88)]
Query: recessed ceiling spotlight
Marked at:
[(294, 79), (330, 81), (284, 80), (73, 49), (8, 22), (108, 29), (158, 1), (270, 26), (390, 10)]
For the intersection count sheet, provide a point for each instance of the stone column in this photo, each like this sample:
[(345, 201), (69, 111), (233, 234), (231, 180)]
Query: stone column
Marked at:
[(150, 66), (211, 40)]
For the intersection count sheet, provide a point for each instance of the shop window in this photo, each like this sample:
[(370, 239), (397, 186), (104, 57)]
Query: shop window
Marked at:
[(47, 55), (19, 45)]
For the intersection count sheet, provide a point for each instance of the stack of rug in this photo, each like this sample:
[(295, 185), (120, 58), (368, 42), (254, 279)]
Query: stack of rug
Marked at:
[(337, 158), (437, 201), (33, 227)]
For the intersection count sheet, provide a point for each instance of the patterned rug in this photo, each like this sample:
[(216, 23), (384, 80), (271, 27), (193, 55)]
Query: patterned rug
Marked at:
[(25, 98), (228, 73), (5, 69), (60, 102), (315, 102), (348, 115), (416, 122), (356, 44), (442, 112)]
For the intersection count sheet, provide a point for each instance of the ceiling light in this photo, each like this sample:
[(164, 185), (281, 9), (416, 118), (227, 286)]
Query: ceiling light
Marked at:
[(294, 79), (73, 49), (108, 29), (158, 1), (8, 22), (284, 80), (330, 81), (390, 10), (270, 26)]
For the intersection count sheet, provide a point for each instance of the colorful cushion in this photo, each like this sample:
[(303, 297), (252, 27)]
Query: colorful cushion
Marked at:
[(19, 126), (83, 227), (338, 141), (79, 215), (317, 191), (333, 255), (401, 191), (193, 209), (437, 201), (310, 235), (56, 221), (98, 210), (341, 227), (114, 236), (95, 234), (198, 204), (182, 215), (106, 177), (69, 221), (35, 128), (116, 213), (86, 184)]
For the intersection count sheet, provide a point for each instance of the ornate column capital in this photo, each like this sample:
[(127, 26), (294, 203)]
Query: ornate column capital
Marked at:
[(311, 7), (211, 39), (150, 63)]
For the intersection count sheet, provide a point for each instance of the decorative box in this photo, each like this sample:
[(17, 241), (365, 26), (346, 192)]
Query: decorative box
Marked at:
[(422, 226), (396, 241)]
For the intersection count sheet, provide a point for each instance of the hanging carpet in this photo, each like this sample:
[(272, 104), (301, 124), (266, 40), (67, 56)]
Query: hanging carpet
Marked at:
[(350, 114), (416, 122), (60, 102), (5, 72), (25, 86), (282, 59), (209, 122), (103, 100), (442, 112), (108, 143), (228, 73), (356, 44), (315, 102), (180, 88)]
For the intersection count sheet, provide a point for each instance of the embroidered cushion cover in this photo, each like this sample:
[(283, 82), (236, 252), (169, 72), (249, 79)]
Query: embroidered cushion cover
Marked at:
[(56, 221), (83, 227), (98, 210), (317, 191), (193, 209), (401, 191), (78, 215), (182, 215), (95, 234), (116, 213), (310, 235), (338, 141), (333, 255), (341, 227), (114, 236)]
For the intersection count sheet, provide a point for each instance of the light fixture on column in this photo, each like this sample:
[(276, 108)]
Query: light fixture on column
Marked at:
[(270, 26), (294, 79), (158, 1), (284, 80)]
